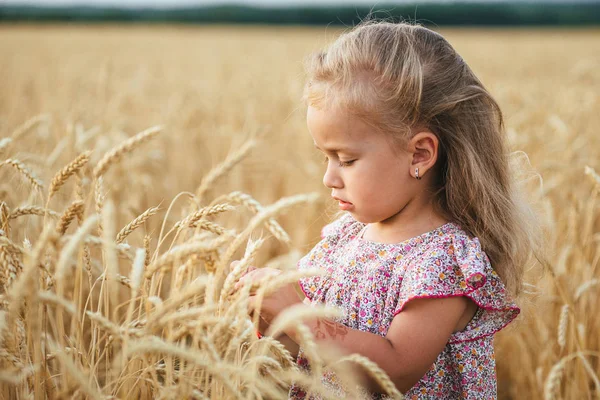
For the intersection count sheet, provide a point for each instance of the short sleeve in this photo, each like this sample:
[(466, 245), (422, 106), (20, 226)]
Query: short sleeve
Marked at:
[(321, 256), (457, 266)]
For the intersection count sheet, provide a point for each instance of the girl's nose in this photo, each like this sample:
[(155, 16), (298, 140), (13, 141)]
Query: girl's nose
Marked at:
[(332, 179)]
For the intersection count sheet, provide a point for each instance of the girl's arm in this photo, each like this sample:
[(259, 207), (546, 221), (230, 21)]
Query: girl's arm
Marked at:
[(416, 336), (284, 339), (289, 344)]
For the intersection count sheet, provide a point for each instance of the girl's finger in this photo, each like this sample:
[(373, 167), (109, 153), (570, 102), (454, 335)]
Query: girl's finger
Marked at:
[(248, 270), (251, 302), (245, 277)]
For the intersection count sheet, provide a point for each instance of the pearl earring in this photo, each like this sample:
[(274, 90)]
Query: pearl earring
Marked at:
[(417, 174)]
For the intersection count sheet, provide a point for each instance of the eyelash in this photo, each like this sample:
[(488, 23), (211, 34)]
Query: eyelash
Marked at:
[(341, 163)]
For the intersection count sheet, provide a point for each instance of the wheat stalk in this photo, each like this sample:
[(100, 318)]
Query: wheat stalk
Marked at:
[(66, 254), (75, 372), (28, 125), (22, 287), (218, 369), (4, 143), (584, 287)]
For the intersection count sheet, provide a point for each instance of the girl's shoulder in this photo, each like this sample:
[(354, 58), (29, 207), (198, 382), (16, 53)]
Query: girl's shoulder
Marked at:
[(454, 264), (454, 251)]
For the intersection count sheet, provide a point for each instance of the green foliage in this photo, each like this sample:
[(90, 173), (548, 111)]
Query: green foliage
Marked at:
[(496, 14)]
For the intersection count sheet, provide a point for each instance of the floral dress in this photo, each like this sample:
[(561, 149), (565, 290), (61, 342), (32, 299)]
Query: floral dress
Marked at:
[(371, 282)]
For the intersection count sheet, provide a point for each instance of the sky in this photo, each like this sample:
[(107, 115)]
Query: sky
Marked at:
[(169, 3)]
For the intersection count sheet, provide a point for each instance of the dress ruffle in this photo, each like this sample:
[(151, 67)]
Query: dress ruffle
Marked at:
[(459, 267)]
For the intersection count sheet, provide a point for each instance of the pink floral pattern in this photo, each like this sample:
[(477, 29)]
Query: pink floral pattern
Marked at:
[(372, 282)]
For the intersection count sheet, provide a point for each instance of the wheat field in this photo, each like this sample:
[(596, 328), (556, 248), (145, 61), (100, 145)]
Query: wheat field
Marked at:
[(136, 162)]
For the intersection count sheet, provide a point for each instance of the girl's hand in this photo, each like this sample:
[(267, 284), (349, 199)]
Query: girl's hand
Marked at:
[(273, 304), (253, 275)]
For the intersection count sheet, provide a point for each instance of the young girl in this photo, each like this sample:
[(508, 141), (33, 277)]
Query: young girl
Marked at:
[(428, 255)]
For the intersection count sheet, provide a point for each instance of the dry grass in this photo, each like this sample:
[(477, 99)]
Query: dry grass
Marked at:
[(104, 294)]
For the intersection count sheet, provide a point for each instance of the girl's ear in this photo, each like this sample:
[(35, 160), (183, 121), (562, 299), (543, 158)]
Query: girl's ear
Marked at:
[(424, 149)]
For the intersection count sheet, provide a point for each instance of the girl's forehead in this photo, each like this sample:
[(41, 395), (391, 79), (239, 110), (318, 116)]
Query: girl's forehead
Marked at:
[(333, 121)]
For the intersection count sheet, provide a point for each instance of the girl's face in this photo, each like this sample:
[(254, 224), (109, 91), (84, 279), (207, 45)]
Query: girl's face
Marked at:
[(368, 175)]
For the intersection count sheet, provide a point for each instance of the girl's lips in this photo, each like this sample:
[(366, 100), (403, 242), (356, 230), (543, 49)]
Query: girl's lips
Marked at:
[(344, 205)]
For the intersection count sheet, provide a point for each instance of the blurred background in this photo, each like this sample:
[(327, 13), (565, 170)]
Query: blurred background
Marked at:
[(438, 12), (86, 75)]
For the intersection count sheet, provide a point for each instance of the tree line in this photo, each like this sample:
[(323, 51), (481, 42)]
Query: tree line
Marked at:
[(517, 13)]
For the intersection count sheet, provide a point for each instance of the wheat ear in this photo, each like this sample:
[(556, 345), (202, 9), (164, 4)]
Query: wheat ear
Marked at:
[(591, 172), (99, 198), (298, 312), (232, 160), (376, 372), (254, 206), (563, 324), (147, 239), (554, 378), (240, 268), (136, 223), (126, 147), (260, 218), (192, 219), (4, 218), (75, 209), (32, 210), (67, 171), (186, 250), (26, 172)]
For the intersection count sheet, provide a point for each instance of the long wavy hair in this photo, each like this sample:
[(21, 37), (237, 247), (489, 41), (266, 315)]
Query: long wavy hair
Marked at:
[(398, 76)]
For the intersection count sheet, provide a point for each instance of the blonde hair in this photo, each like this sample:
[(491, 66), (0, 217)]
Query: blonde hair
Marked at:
[(399, 76)]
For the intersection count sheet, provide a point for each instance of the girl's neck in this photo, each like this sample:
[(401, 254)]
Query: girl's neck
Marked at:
[(404, 225)]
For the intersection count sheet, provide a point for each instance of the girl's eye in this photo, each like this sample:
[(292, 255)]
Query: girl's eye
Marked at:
[(340, 162), (346, 163)]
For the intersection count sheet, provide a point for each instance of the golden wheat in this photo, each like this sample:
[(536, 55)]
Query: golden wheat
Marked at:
[(85, 315)]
